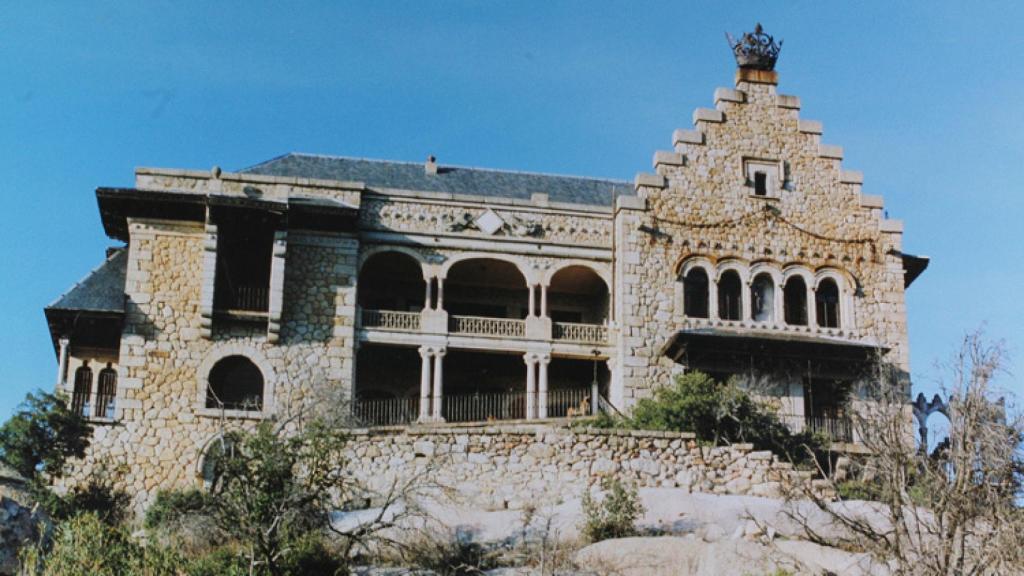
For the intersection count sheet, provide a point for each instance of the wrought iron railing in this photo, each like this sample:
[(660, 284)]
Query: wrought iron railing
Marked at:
[(569, 402), (573, 332), (390, 320), (386, 411), (244, 298), (505, 327), (484, 407), (837, 429)]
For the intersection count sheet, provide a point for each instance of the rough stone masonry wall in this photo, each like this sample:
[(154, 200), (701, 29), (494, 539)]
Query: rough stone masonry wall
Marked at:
[(161, 426), (701, 205), (512, 466)]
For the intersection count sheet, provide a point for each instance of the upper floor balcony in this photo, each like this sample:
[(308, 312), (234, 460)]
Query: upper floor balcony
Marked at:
[(484, 297)]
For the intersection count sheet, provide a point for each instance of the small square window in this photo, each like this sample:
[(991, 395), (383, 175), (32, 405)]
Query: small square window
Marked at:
[(760, 184)]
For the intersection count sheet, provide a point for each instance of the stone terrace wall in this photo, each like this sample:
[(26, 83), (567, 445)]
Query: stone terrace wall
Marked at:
[(509, 466)]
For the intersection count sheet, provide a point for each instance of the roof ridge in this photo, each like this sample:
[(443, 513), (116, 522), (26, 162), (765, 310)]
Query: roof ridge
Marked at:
[(442, 166)]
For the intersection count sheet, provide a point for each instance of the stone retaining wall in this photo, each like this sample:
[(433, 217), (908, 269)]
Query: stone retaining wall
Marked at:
[(509, 466)]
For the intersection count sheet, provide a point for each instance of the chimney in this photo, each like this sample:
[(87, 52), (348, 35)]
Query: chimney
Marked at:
[(756, 53), (431, 166)]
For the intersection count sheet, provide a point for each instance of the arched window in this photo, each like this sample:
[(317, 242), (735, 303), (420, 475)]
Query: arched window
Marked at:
[(729, 298), (826, 298), (795, 296), (105, 392), (235, 383), (83, 389), (762, 298), (695, 293)]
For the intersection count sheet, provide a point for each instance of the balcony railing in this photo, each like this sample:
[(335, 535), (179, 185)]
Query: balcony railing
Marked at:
[(390, 320), (386, 411), (504, 327), (243, 298), (484, 407), (586, 333), (836, 429)]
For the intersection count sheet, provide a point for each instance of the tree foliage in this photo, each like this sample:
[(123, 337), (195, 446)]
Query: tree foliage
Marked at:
[(42, 436), (614, 515)]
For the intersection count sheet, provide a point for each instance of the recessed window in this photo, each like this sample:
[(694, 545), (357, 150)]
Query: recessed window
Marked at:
[(760, 184), (729, 290), (106, 392), (83, 390), (695, 293), (235, 383), (827, 301)]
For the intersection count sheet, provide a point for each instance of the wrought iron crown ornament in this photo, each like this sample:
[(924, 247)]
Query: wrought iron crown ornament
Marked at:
[(755, 50)]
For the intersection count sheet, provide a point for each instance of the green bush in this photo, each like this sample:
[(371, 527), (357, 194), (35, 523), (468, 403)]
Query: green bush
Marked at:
[(723, 414), (42, 436), (615, 515), (170, 506)]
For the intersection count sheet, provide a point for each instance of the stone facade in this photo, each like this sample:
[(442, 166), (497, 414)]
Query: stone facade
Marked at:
[(436, 276)]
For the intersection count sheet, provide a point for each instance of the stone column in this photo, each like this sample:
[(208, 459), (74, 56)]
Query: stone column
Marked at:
[(542, 386), (425, 384), (779, 312), (440, 293), (747, 312), (533, 308), (712, 298), (62, 364), (543, 301), (426, 299), (275, 304), (812, 308), (438, 382), (531, 385)]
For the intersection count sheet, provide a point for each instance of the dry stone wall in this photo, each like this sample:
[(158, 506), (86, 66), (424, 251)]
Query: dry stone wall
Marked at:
[(512, 466)]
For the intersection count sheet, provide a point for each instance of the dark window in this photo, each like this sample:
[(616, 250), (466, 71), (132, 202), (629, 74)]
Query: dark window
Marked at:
[(760, 184), (729, 290), (762, 298), (83, 390), (245, 241), (827, 299), (795, 296), (695, 293), (105, 393), (571, 316), (235, 383)]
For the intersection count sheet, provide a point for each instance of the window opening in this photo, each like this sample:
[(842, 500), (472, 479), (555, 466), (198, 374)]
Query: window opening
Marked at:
[(827, 299), (695, 293), (235, 383), (760, 184), (83, 389), (762, 298), (795, 296), (105, 392), (729, 299)]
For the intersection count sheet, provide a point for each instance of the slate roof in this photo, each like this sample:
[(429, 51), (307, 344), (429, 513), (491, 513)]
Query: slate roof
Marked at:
[(102, 290), (449, 179)]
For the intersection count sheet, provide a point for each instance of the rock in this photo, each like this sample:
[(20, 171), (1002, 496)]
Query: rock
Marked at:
[(713, 533), (603, 467), (674, 556)]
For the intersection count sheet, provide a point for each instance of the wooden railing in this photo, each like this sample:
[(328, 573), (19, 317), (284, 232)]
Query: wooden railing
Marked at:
[(243, 298), (573, 332), (504, 327), (390, 320)]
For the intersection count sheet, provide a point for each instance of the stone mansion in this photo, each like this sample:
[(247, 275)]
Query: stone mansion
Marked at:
[(421, 292)]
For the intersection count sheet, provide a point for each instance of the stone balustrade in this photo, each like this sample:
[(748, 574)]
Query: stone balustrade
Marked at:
[(502, 327), (390, 320), (583, 333)]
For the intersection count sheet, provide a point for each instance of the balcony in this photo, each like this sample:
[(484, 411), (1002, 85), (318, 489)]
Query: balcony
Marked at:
[(579, 333), (835, 429)]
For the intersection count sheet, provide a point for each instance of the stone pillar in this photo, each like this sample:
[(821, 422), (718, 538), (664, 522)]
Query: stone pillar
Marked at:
[(543, 301), (779, 312), (747, 312), (209, 276), (440, 293), (532, 304), (276, 292), (712, 298), (62, 364), (438, 381), (531, 385), (542, 386), (425, 384), (812, 308), (426, 299)]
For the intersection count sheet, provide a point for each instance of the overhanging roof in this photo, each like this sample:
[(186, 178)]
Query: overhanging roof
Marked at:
[(913, 266), (102, 290), (717, 343)]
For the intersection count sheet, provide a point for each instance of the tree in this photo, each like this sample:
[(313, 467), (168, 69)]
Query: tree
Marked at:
[(42, 436), (954, 512)]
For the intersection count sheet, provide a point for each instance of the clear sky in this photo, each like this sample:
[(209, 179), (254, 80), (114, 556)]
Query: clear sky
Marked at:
[(924, 97)]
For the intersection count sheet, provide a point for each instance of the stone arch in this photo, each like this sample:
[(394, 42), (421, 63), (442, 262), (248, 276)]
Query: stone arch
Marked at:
[(693, 298), (735, 265), (790, 270), (207, 452), (797, 307), (368, 253), (528, 272), (768, 267), (601, 270), (846, 286), (577, 293), (392, 279), (251, 353), (690, 262)]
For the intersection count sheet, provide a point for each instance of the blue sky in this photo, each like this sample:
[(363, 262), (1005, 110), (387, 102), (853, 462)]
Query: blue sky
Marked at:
[(924, 97)]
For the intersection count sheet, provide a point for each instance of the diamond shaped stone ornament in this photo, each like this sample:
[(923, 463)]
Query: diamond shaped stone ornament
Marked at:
[(489, 222)]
